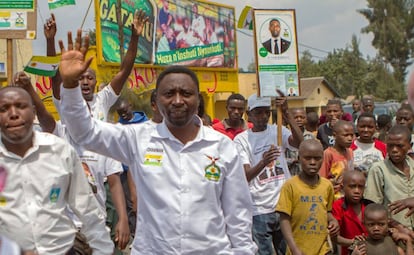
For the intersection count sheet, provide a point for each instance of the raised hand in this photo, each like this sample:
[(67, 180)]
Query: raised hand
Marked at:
[(399, 205), (49, 28), (281, 100), (21, 79), (72, 63), (271, 155), (140, 19)]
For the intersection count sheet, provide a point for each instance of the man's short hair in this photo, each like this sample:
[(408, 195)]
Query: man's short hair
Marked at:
[(177, 69), (334, 102), (341, 123), (235, 96), (366, 115), (153, 96), (274, 19), (313, 118), (12, 87), (92, 71), (400, 129), (406, 107), (383, 120), (375, 207), (365, 100)]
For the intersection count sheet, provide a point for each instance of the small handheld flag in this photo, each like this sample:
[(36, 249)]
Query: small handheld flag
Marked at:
[(44, 66), (53, 4)]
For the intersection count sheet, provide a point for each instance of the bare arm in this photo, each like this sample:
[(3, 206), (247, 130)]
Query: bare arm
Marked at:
[(344, 241), (49, 30), (286, 227), (122, 227), (46, 120), (399, 205), (333, 226), (297, 135), (127, 64), (132, 191)]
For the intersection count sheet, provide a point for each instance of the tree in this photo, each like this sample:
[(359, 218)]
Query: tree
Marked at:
[(381, 82), (307, 67), (355, 70), (92, 37), (251, 67), (332, 68), (391, 23)]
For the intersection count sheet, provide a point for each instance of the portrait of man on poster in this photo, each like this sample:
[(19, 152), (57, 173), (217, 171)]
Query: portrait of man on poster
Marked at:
[(276, 44)]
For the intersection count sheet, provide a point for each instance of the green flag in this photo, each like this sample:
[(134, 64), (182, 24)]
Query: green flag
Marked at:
[(53, 4), (44, 66)]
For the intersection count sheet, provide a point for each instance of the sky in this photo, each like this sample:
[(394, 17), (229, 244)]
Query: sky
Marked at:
[(322, 25)]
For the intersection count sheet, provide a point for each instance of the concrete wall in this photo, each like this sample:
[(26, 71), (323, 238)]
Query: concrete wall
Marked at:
[(22, 52)]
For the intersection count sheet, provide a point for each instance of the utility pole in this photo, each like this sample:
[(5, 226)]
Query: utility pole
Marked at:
[(9, 61), (120, 28)]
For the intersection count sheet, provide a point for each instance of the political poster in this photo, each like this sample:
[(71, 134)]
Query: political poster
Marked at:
[(276, 52)]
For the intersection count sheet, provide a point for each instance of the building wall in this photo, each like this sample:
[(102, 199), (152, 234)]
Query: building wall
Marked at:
[(22, 52), (315, 102), (320, 99), (247, 84)]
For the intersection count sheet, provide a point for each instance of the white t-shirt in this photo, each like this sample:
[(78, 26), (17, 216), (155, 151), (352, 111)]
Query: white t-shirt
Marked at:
[(99, 106), (265, 187), (8, 247), (96, 167), (365, 155)]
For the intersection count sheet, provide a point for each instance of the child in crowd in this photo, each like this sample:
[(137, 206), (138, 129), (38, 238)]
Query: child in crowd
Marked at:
[(334, 113), (312, 123), (338, 158), (305, 205), (367, 150), (393, 178), (380, 239), (384, 123), (299, 115), (349, 210), (405, 117)]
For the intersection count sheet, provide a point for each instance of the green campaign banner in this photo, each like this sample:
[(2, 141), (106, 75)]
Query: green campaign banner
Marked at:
[(189, 54), (27, 5), (108, 29), (186, 29)]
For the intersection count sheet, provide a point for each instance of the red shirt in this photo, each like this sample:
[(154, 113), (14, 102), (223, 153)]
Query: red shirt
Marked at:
[(222, 127), (349, 224)]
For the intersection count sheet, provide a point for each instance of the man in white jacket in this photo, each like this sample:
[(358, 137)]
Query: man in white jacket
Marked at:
[(40, 176), (192, 193)]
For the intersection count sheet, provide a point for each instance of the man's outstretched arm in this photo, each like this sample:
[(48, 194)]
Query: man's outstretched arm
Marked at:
[(127, 64)]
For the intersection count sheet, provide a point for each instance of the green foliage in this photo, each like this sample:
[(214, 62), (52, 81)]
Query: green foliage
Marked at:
[(307, 67), (350, 74), (391, 23), (92, 37), (251, 67)]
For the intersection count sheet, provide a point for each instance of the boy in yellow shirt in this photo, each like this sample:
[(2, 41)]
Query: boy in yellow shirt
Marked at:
[(305, 205)]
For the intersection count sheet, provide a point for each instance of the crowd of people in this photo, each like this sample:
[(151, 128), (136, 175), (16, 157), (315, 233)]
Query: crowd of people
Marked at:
[(179, 184)]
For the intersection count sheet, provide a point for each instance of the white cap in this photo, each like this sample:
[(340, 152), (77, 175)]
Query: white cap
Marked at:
[(254, 101)]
